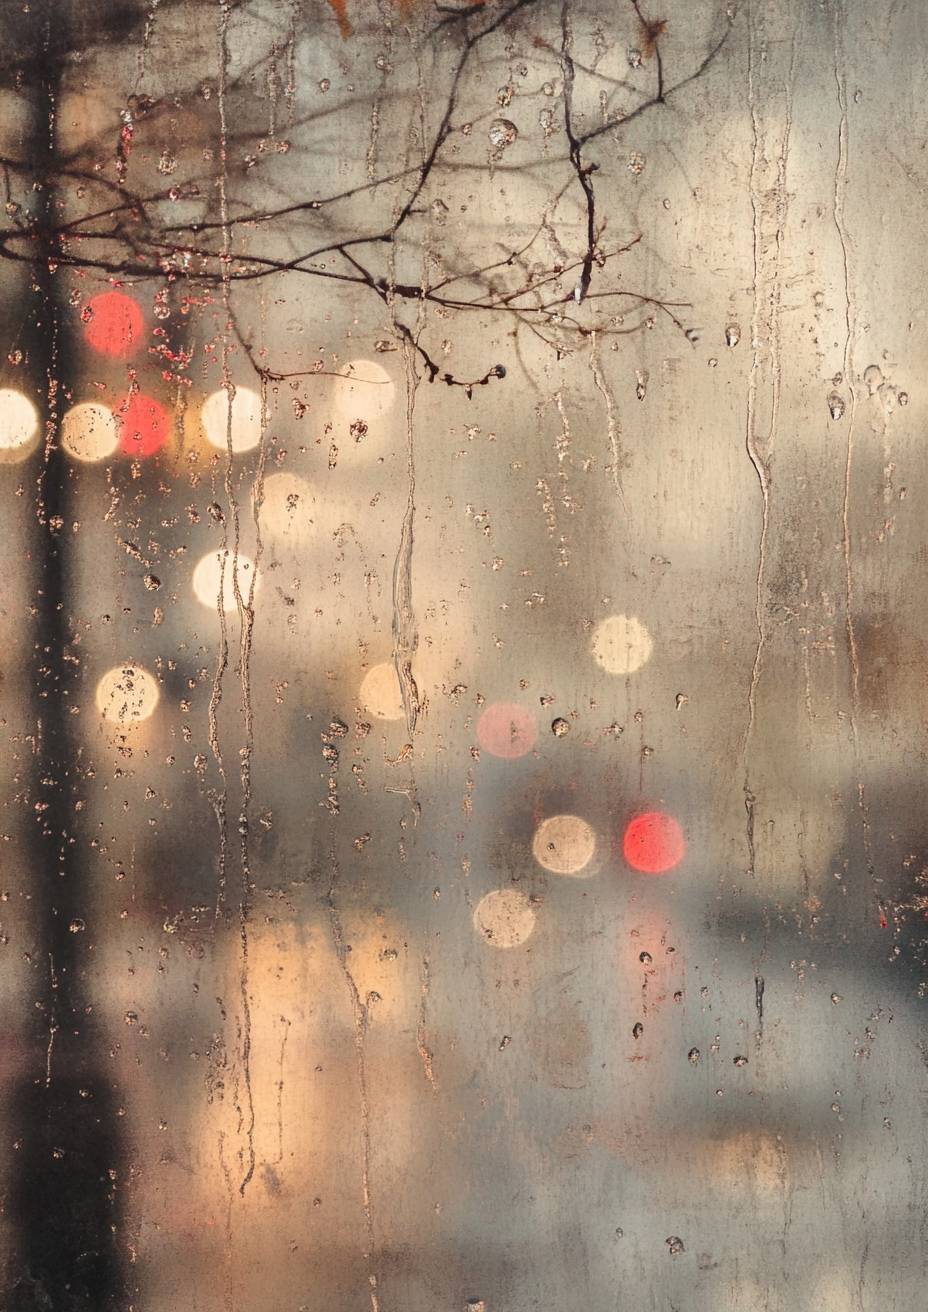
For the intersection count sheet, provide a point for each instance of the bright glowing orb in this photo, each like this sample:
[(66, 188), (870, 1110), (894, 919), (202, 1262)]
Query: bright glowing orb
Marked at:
[(218, 569), (653, 843), (504, 918), (621, 644), (245, 425), (564, 844), (144, 425), (380, 692), (127, 694), (19, 425), (89, 432), (288, 507), (507, 730), (115, 325)]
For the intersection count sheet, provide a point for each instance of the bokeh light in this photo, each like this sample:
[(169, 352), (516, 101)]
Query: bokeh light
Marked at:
[(362, 395), (504, 918), (564, 844), (288, 508), (127, 694), (380, 692), (245, 422), (653, 843), (220, 569), (507, 730), (115, 325), (621, 644), (144, 425), (89, 432), (19, 425)]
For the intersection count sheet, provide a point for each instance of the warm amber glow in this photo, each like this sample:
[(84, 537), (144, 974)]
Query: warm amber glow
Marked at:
[(564, 844), (362, 395), (89, 432), (19, 425), (288, 508), (127, 694), (621, 644), (245, 424), (380, 692), (219, 568), (505, 918)]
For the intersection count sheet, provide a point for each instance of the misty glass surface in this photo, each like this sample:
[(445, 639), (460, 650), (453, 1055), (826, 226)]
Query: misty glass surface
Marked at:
[(464, 651)]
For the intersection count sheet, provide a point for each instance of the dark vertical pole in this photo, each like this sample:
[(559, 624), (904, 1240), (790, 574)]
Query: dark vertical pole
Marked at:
[(68, 1169)]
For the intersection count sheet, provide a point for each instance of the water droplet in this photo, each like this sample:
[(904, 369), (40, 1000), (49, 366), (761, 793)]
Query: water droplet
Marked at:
[(560, 728), (645, 958), (77, 925), (637, 1030), (502, 133), (835, 405)]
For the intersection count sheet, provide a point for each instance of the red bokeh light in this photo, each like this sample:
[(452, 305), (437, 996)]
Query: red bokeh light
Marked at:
[(115, 325), (653, 843), (144, 425), (507, 730)]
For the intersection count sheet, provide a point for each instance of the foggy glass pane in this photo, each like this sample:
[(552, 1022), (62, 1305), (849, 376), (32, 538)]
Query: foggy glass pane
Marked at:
[(463, 685)]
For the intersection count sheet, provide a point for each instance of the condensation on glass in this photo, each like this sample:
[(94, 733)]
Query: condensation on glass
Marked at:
[(463, 681)]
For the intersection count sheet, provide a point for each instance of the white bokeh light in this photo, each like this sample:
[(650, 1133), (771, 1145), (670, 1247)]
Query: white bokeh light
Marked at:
[(288, 508), (220, 568), (380, 692), (504, 918), (19, 425), (246, 419), (89, 432), (127, 694), (363, 394), (564, 844), (621, 644)]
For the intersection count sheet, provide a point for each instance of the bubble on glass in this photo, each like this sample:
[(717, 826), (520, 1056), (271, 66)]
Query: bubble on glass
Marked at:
[(505, 918), (502, 133)]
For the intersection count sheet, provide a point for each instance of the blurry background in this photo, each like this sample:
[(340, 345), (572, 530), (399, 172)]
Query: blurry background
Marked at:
[(463, 655)]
